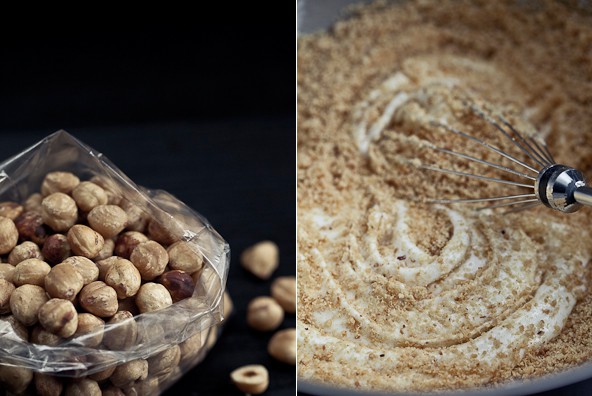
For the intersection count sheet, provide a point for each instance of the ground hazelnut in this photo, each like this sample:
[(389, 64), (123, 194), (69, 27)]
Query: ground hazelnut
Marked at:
[(185, 257), (7, 272), (43, 337), (252, 379), (85, 267), (15, 379), (56, 248), (163, 363), (113, 391), (59, 211), (25, 250), (107, 220), (59, 317), (33, 203), (282, 346), (122, 331), (161, 233), (150, 258), (99, 299), (10, 210), (84, 387), (137, 219), (25, 302), (261, 259), (84, 241), (106, 251), (124, 278), (129, 373), (30, 227), (264, 314), (103, 375), (47, 385), (153, 297), (127, 242), (179, 284), (89, 330), (62, 182), (63, 281), (88, 195), (8, 235), (18, 329), (32, 272), (6, 290), (283, 290), (110, 187)]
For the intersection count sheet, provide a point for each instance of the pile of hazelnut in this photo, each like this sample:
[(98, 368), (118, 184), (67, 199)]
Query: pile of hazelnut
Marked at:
[(75, 258)]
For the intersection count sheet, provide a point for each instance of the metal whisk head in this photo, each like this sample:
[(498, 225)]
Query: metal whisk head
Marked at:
[(554, 185)]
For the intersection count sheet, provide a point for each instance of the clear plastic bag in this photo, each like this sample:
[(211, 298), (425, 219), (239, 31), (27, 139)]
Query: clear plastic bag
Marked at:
[(171, 340)]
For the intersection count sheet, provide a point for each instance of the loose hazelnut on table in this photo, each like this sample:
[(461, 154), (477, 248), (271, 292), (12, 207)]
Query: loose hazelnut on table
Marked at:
[(85, 267), (90, 324), (8, 235), (107, 220), (283, 290), (56, 248), (150, 258), (32, 272), (25, 303), (261, 259), (7, 272), (153, 297), (179, 284), (59, 317), (129, 373), (185, 257), (84, 387), (88, 196), (99, 299), (30, 227), (84, 241), (6, 290), (127, 242), (124, 278), (59, 211), (63, 182), (121, 332), (264, 314), (282, 346), (15, 379), (25, 250), (252, 379), (47, 385), (10, 210), (63, 281)]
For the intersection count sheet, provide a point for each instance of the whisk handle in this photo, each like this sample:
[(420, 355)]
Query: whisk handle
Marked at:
[(583, 195)]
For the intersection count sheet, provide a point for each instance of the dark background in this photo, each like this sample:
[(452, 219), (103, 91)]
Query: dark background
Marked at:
[(207, 114)]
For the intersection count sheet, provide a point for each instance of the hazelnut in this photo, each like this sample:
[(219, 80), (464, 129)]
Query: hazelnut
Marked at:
[(129, 373), (113, 391), (153, 297), (110, 187), (261, 259), (30, 227), (106, 251), (149, 386), (32, 272), (84, 241), (43, 337), (59, 317), (90, 330), (128, 304), (47, 385), (121, 332), (127, 242), (59, 211), (15, 379), (283, 290), (56, 248), (8, 235), (62, 182), (191, 347), (124, 278), (282, 346), (252, 379), (99, 299), (85, 267), (108, 220), (88, 196), (10, 210), (150, 258), (6, 290), (105, 265), (33, 203), (264, 314), (137, 219), (179, 284), (162, 233), (162, 364), (25, 250), (18, 329), (25, 302), (103, 375), (84, 387), (7, 272), (185, 256), (63, 281)]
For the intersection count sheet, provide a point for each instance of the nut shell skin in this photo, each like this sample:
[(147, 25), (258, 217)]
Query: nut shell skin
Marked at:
[(8, 235), (124, 278), (10, 210), (179, 284), (88, 195), (64, 281), (25, 250), (185, 257), (59, 317), (127, 242), (63, 182), (6, 290), (84, 241), (32, 272), (107, 220), (153, 297), (30, 227), (56, 248), (150, 258), (59, 211), (99, 299), (25, 303)]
